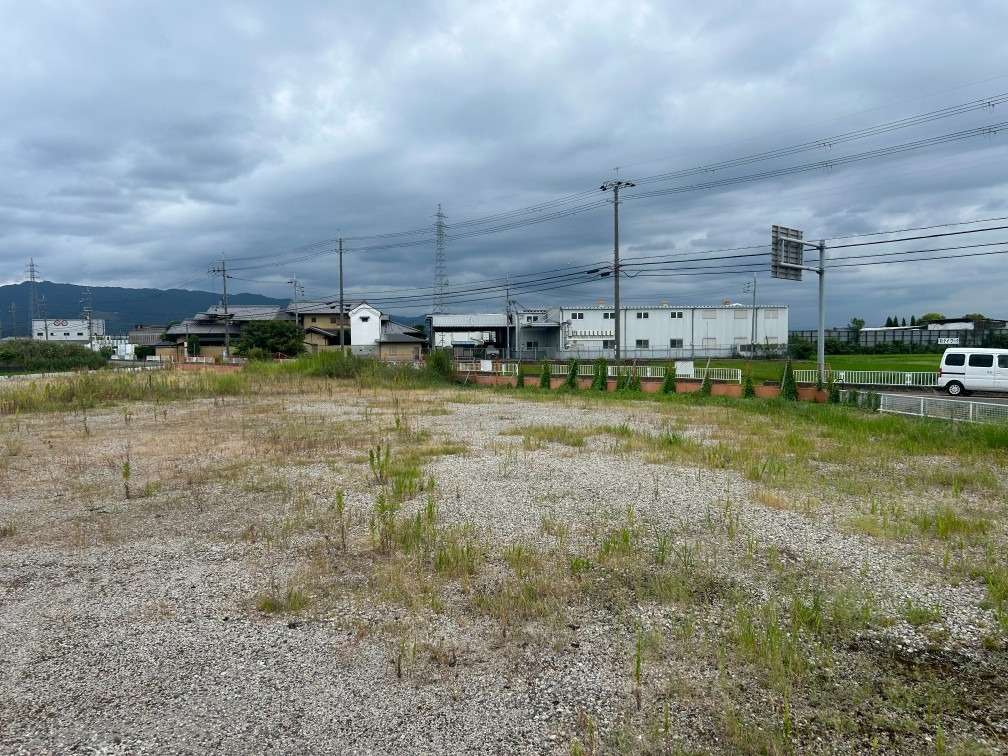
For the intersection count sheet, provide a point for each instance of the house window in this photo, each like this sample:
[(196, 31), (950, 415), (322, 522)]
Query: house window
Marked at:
[(66, 333), (608, 316), (80, 333), (642, 315), (39, 333), (770, 314), (577, 316), (608, 343), (531, 318), (676, 314), (643, 344), (314, 320), (709, 314), (675, 343), (531, 344), (709, 341), (365, 318)]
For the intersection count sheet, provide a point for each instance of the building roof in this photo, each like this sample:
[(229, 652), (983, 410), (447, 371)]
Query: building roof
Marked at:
[(400, 338), (320, 307), (731, 306), (245, 312), (474, 321), (202, 327)]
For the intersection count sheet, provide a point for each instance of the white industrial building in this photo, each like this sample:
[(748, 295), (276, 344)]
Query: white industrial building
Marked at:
[(647, 331), (73, 330)]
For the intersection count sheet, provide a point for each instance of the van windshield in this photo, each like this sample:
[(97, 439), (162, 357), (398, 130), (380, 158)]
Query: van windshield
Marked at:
[(956, 358)]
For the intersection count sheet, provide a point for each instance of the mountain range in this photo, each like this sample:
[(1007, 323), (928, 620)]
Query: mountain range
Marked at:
[(120, 307)]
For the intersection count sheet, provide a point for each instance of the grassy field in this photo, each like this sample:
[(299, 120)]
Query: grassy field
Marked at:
[(494, 570)]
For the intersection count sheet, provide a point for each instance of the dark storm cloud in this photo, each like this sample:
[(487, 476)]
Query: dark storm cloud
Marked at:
[(140, 142)]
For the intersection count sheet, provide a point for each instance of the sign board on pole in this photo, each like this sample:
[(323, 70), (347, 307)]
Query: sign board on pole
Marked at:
[(786, 249), (951, 340)]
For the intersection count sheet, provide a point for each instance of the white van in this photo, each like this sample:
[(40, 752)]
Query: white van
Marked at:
[(965, 369)]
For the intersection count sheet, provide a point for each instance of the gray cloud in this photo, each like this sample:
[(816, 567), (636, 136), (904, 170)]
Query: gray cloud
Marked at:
[(139, 143)]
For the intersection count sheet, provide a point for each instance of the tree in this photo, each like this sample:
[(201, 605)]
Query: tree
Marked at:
[(193, 346), (572, 372), (789, 388), (272, 336), (748, 390), (669, 384), (856, 324), (904, 322), (600, 381), (705, 385), (888, 322), (106, 352), (927, 317), (544, 376), (913, 320)]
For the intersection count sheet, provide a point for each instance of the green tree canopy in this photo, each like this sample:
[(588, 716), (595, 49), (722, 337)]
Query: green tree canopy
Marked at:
[(272, 337), (927, 317), (856, 324)]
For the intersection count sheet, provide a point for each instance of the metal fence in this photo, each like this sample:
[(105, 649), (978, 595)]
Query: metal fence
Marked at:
[(944, 409), (587, 370), (872, 378)]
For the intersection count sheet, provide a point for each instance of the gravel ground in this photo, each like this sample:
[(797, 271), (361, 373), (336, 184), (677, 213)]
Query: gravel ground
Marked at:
[(130, 626)]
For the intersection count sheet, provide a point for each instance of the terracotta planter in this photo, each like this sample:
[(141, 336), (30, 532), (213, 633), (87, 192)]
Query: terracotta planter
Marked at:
[(687, 386), (811, 394), (767, 392), (651, 385), (727, 389), (584, 383)]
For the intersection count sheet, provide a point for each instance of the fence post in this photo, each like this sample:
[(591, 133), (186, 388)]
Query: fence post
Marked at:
[(922, 413), (971, 411)]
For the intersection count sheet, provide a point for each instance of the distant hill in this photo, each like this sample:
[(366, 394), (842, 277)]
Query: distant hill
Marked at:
[(122, 308)]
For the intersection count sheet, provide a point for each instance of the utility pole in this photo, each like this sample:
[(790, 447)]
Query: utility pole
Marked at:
[(296, 286), (440, 303), (342, 311), (222, 270), (507, 318), (752, 343), (88, 314), (45, 318), (615, 185), (821, 341)]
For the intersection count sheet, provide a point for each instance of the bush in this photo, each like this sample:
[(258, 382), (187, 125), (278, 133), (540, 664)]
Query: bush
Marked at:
[(26, 355), (800, 349), (572, 374), (257, 353), (271, 336), (439, 362), (789, 389), (192, 346), (669, 384), (833, 390), (544, 376), (520, 378), (705, 386), (601, 376), (143, 351), (748, 390), (629, 381)]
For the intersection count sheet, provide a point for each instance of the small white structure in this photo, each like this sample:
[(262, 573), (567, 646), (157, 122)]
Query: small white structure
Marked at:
[(365, 325), (68, 330)]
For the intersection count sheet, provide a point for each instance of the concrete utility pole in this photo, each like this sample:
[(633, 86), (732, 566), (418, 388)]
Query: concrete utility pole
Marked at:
[(507, 318), (222, 270), (752, 343), (615, 185), (89, 317), (342, 311), (821, 345), (296, 286)]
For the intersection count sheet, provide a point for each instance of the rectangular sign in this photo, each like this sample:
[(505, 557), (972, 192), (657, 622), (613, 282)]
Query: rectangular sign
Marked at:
[(786, 249), (951, 340)]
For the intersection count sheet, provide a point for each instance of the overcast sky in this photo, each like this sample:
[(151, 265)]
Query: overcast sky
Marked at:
[(139, 142)]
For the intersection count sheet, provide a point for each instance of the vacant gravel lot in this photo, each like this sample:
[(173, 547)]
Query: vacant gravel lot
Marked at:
[(141, 546)]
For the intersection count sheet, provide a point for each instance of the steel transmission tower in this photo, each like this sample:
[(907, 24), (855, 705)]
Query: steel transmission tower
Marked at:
[(31, 270), (440, 303)]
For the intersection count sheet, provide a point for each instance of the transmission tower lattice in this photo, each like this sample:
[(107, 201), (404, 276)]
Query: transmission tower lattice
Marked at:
[(440, 264), (32, 271)]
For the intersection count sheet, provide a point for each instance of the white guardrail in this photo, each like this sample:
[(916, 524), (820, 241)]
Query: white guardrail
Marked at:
[(872, 378), (944, 409), (587, 370)]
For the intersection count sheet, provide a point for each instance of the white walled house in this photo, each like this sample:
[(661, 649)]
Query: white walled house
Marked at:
[(365, 325), (374, 334)]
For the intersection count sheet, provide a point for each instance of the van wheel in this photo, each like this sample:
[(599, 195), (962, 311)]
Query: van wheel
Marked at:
[(954, 389)]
